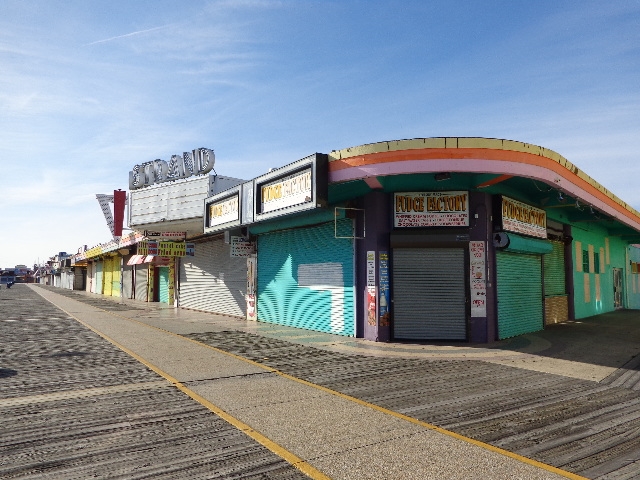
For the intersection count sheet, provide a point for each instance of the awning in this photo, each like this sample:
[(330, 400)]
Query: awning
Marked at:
[(136, 260), (157, 260)]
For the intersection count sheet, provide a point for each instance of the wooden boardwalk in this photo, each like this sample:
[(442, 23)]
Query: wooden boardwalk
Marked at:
[(73, 405), (589, 428)]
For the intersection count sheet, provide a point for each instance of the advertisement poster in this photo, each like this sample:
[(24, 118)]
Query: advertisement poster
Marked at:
[(371, 289), (172, 282), (252, 263), (242, 247), (478, 280), (385, 299), (431, 209)]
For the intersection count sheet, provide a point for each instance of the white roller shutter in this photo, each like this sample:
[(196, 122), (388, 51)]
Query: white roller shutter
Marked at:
[(141, 280), (213, 281)]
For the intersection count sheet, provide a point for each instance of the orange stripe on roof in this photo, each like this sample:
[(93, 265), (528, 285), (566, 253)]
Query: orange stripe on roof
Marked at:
[(484, 154)]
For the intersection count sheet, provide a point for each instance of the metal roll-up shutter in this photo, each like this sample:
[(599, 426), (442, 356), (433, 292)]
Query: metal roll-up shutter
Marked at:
[(214, 281), (556, 305), (554, 279), (141, 281), (519, 279), (163, 285), (91, 276), (127, 278), (98, 284), (79, 276), (429, 294), (115, 276), (306, 279), (107, 272)]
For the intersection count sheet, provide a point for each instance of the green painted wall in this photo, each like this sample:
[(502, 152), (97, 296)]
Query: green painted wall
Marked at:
[(594, 293), (633, 279)]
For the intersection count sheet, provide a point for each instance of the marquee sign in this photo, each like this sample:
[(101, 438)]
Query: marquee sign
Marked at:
[(431, 209), (222, 211), (297, 187), (289, 191), (197, 162), (521, 218)]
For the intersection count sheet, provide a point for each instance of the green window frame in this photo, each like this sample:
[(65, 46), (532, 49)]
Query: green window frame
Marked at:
[(585, 261)]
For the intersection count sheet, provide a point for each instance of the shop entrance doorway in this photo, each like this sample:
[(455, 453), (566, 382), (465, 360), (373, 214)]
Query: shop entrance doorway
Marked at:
[(617, 289)]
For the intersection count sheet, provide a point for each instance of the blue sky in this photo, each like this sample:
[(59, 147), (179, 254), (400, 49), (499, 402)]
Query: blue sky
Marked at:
[(90, 88)]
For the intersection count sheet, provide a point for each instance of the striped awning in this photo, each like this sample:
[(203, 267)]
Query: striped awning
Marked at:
[(136, 260)]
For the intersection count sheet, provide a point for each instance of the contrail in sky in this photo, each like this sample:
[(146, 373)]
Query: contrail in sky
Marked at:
[(126, 35)]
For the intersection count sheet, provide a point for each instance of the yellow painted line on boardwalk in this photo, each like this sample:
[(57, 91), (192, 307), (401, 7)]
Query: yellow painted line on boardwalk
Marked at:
[(282, 452), (195, 396), (486, 446)]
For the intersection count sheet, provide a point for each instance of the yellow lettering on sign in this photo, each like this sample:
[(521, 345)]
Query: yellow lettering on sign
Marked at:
[(447, 203), (524, 213), (287, 187), (223, 208)]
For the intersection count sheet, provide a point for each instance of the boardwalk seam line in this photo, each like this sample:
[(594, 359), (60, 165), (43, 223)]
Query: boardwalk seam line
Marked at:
[(283, 453), (415, 421)]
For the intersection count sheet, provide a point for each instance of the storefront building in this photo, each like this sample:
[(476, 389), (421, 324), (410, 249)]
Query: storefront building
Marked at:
[(304, 271), (633, 277), (544, 242), (456, 239), (453, 239), (175, 263)]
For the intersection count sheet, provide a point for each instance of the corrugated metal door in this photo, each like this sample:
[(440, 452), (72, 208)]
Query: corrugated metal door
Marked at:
[(115, 276), (99, 279), (91, 277), (79, 276), (213, 281), (429, 293), (519, 279), (163, 285), (306, 280), (556, 307), (127, 278), (141, 281), (554, 281), (107, 271)]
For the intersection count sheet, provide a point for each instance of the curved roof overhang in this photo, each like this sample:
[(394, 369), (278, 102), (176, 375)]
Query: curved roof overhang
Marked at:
[(503, 159)]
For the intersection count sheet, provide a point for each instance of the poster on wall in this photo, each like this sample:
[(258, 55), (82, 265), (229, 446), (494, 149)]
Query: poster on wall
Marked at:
[(478, 280), (431, 209), (371, 289), (242, 247), (252, 276), (384, 294), (172, 282), (521, 218)]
